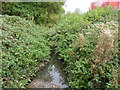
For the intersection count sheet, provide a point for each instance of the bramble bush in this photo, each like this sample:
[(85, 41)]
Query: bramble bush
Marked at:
[(24, 48), (77, 39)]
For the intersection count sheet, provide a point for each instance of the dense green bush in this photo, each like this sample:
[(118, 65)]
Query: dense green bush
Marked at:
[(101, 14), (24, 47), (76, 38)]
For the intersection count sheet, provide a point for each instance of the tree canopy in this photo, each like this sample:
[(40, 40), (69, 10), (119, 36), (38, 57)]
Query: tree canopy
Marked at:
[(47, 13)]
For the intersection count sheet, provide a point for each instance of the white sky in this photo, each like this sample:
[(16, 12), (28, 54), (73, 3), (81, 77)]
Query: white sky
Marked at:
[(83, 5)]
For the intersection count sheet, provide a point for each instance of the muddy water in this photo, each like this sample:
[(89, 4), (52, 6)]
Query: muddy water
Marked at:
[(52, 74)]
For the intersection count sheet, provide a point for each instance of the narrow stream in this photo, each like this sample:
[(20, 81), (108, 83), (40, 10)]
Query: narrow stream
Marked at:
[(52, 73)]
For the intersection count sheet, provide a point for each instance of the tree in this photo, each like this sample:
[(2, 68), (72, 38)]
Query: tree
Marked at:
[(39, 12), (77, 10)]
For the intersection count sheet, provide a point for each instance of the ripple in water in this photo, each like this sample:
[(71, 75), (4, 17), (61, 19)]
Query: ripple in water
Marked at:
[(53, 73)]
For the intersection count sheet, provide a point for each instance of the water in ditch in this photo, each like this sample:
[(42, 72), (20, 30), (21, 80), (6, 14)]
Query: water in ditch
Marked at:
[(51, 76)]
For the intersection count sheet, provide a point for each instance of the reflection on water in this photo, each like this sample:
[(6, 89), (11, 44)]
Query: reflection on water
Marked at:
[(53, 73)]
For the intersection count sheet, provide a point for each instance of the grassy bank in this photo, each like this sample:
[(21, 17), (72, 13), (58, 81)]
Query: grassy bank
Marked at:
[(24, 48)]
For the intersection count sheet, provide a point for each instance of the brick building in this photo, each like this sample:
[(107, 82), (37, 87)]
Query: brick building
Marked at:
[(102, 3)]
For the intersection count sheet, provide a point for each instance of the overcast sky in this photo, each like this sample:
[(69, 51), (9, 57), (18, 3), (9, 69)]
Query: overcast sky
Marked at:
[(83, 5)]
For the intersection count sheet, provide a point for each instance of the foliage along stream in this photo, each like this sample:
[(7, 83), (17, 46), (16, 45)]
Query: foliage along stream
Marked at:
[(51, 74)]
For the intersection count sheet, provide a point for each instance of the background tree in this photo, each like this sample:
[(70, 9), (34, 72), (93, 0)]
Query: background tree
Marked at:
[(77, 10), (47, 13)]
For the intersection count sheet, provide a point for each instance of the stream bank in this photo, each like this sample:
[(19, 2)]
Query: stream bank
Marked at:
[(51, 76)]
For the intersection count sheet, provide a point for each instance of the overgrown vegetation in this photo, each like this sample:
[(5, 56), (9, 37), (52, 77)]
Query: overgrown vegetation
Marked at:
[(24, 47), (88, 44)]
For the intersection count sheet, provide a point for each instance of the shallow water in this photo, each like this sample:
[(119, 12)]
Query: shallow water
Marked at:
[(53, 73)]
